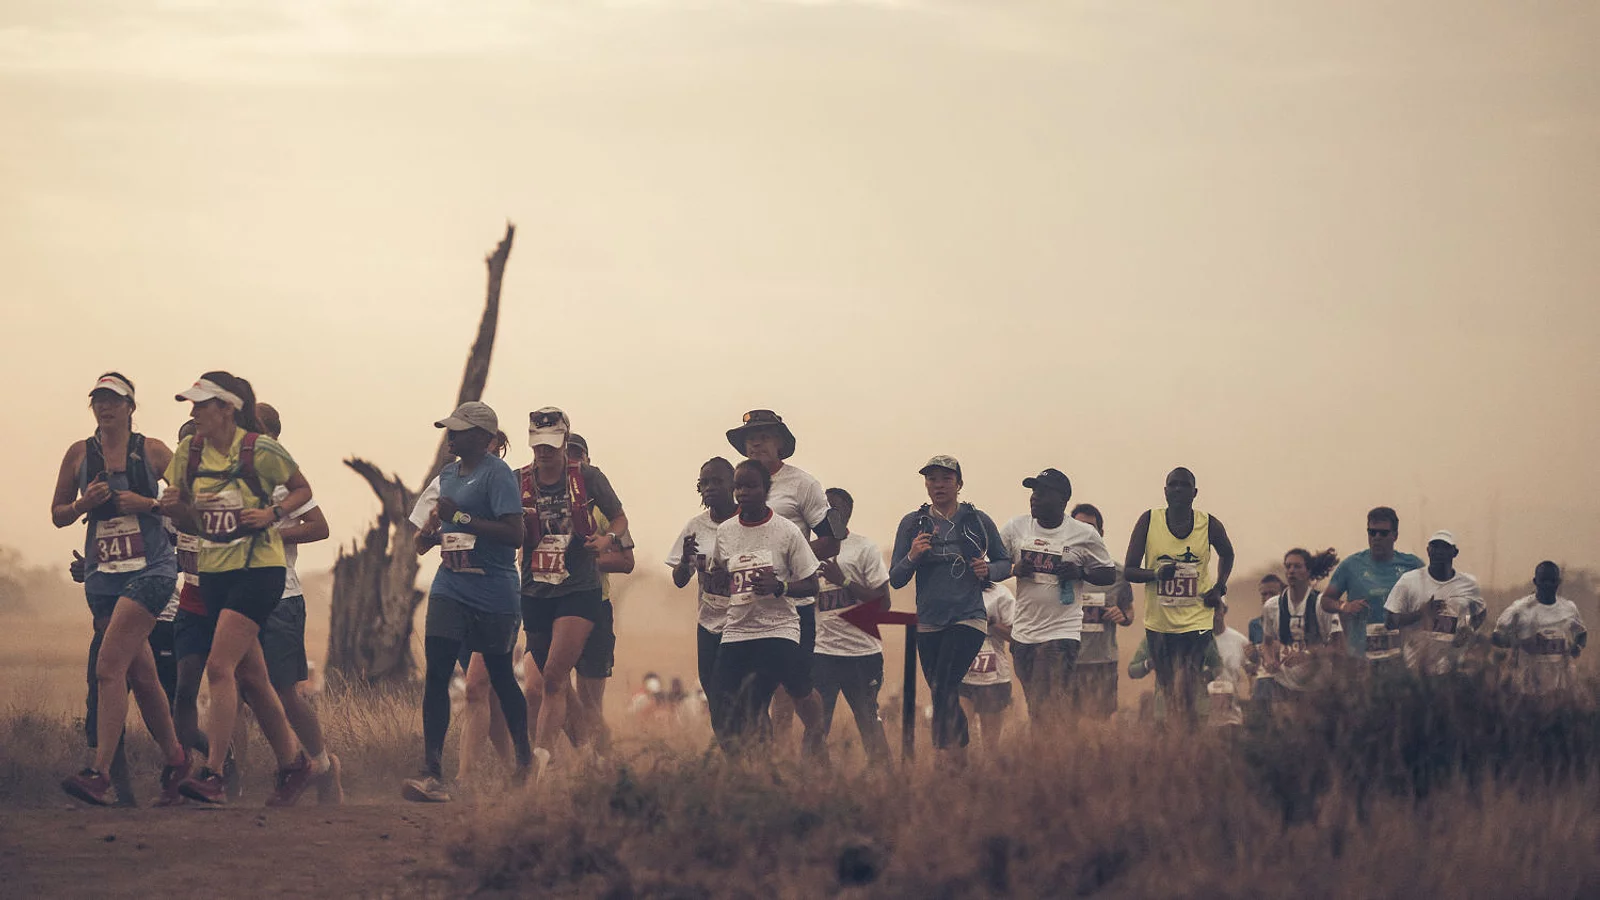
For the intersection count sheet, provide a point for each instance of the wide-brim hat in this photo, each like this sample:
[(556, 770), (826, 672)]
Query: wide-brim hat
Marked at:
[(762, 418)]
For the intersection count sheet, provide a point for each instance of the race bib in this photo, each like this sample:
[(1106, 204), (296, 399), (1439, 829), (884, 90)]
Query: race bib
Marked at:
[(1381, 642), (1094, 613), (832, 597), (547, 561), (715, 584), (455, 552), (1045, 561), (118, 545), (1182, 589), (1550, 644), (743, 570), (986, 662), (189, 557), (220, 525), (1444, 628)]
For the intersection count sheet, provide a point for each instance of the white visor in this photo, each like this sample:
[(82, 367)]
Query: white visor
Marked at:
[(206, 389), (113, 384)]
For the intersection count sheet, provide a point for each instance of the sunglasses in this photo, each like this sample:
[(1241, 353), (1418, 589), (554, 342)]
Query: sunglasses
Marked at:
[(1379, 532), (546, 420)]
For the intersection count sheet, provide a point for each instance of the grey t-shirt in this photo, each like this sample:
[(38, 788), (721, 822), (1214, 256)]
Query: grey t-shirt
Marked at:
[(553, 571), (1099, 644)]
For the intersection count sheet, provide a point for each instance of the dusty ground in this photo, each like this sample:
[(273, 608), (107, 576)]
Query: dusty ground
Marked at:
[(388, 850)]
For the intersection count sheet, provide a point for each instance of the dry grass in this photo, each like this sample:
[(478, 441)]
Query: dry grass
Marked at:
[(1444, 788)]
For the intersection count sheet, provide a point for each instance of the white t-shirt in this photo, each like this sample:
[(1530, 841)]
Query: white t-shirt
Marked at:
[(992, 665), (1435, 652), (427, 502), (1299, 670), (861, 562), (1223, 694), (1048, 610), (1542, 639), (798, 496), (712, 585), (744, 550), (291, 552), (1231, 646)]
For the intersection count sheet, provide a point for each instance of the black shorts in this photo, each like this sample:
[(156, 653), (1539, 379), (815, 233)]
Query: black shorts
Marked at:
[(150, 590), (191, 634), (252, 593), (987, 699), (539, 614), (491, 634), (283, 643), (775, 659), (162, 638), (600, 650)]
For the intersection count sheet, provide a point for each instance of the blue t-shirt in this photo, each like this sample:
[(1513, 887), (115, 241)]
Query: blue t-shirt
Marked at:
[(482, 576), (1360, 577)]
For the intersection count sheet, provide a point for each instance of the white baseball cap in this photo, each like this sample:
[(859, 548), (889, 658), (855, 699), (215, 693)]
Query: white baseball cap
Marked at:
[(1446, 537), (548, 427)]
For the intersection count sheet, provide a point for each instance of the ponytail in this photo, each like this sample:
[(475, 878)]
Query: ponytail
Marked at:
[(245, 418), (1318, 565)]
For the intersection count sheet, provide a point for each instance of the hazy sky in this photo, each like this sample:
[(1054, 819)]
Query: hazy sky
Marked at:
[(1329, 255)]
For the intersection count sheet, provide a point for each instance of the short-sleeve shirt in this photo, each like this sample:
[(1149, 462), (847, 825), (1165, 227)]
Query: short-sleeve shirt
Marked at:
[(479, 573), (554, 508), (744, 551), (992, 665), (221, 492), (1099, 640), (1542, 637), (861, 562), (798, 496), (1360, 577), (1435, 651), (291, 552), (1049, 609), (1301, 671), (711, 584)]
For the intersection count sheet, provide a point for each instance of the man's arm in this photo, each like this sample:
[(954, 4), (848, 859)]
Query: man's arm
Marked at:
[(1131, 561), (1221, 543), (308, 528)]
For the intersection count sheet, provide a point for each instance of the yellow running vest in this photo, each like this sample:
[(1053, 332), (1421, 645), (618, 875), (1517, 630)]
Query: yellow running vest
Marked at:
[(1175, 606)]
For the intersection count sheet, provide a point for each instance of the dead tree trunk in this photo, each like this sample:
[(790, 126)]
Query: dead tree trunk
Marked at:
[(375, 597)]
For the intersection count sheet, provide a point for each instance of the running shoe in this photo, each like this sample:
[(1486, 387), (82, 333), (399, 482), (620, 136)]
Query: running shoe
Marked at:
[(293, 780), (330, 788), (205, 786), (171, 778), (89, 786), (425, 788)]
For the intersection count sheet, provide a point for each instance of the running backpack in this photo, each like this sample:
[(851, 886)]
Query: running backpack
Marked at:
[(1313, 627), (138, 472), (247, 468), (577, 506)]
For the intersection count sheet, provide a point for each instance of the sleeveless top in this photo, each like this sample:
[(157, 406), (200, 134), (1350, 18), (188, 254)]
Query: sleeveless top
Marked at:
[(118, 548), (1175, 606)]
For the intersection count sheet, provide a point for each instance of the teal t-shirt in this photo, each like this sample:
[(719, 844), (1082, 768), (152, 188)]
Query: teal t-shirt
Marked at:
[(1360, 577)]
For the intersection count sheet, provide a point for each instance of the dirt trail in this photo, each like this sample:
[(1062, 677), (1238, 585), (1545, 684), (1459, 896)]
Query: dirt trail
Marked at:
[(388, 850)]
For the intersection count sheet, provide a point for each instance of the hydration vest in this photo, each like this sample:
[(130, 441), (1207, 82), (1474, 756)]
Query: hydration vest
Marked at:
[(1313, 627), (577, 508), (247, 468), (137, 469)]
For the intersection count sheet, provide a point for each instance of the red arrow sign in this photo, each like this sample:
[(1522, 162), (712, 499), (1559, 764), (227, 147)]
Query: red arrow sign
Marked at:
[(868, 616)]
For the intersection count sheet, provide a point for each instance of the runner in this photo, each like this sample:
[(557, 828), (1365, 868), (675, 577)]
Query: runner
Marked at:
[(480, 717), (1436, 609), (283, 638), (797, 496), (1545, 633), (1270, 586), (220, 483), (129, 571), (986, 688), (1053, 558), (848, 659), (1362, 583), (1092, 689), (953, 550), (1170, 553), (1297, 629), (769, 565), (561, 597), (688, 559), (1232, 675), (599, 654), (472, 604)]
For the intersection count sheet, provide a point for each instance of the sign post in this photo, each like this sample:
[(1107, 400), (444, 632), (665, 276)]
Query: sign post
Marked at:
[(867, 617)]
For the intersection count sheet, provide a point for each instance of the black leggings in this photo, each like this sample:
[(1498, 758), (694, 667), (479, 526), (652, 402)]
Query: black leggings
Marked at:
[(441, 654), (707, 643), (946, 656)]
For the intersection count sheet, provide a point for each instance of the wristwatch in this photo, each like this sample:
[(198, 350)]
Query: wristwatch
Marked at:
[(461, 518), (783, 588)]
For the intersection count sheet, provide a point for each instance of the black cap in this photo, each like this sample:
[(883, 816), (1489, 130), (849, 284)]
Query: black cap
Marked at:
[(1054, 479)]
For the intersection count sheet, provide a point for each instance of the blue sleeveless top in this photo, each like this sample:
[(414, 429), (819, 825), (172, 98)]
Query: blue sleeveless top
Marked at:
[(118, 549)]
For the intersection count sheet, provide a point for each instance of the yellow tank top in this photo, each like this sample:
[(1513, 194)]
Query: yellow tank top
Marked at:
[(1175, 606)]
